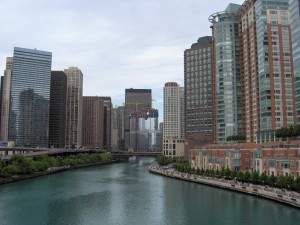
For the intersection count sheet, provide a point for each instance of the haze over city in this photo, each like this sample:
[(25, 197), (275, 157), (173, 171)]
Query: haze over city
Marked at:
[(116, 44)]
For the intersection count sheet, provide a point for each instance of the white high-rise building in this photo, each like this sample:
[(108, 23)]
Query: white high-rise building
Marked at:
[(173, 132), (74, 107)]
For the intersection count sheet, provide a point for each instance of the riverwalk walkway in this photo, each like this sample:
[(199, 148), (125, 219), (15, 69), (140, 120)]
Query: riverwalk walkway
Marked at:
[(284, 196)]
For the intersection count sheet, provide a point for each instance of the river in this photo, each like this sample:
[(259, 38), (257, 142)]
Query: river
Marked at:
[(126, 193)]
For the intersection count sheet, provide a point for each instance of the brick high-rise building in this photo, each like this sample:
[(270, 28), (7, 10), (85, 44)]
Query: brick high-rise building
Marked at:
[(93, 122), (198, 93)]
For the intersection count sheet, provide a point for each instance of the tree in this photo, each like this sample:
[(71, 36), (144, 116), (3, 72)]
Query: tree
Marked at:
[(240, 176), (227, 173), (263, 178), (280, 181), (255, 177), (289, 182), (2, 163), (247, 176), (297, 184), (233, 174), (272, 180), (9, 170)]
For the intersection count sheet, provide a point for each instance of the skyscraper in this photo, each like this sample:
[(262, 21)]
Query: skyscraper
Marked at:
[(254, 81), (5, 105), (114, 128), (30, 97), (227, 76), (58, 96), (93, 122), (198, 92), (294, 9), (275, 69), (74, 107), (173, 131), (135, 100), (107, 121), (121, 130)]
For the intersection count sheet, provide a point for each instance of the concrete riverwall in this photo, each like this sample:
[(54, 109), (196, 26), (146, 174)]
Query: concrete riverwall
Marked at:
[(284, 196), (49, 171)]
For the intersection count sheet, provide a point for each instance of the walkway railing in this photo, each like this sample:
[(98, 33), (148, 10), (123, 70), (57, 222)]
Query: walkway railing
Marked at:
[(284, 196)]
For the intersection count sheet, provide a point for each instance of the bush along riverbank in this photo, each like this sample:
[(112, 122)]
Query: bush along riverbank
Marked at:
[(279, 188), (19, 167)]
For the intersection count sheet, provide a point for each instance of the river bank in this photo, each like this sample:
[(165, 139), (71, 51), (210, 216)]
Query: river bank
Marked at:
[(284, 196), (49, 171)]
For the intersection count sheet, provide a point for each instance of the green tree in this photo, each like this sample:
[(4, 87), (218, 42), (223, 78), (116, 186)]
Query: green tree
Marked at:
[(263, 178), (233, 174), (296, 184), (280, 181), (255, 177), (247, 176), (2, 163), (289, 182), (272, 180), (9, 170), (227, 173), (240, 176)]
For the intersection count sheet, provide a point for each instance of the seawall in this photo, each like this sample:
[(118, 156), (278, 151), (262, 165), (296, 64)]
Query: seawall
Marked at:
[(49, 171), (283, 196)]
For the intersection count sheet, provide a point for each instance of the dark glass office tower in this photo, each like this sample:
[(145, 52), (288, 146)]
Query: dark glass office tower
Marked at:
[(30, 97), (58, 96)]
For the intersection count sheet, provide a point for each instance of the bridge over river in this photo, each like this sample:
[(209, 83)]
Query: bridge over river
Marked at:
[(6, 153)]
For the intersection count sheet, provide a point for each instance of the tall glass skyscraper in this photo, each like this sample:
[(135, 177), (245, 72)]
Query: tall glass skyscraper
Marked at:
[(30, 97), (294, 9), (228, 78)]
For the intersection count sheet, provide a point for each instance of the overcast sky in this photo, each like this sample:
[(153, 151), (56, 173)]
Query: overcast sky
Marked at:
[(117, 44)]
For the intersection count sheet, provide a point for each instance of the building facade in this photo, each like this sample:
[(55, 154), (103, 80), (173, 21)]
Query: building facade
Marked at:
[(74, 108), (228, 89), (30, 98), (135, 100), (144, 133), (114, 128), (275, 68), (107, 121), (173, 130), (274, 158), (57, 118), (294, 9), (121, 128), (93, 122), (5, 105), (198, 93)]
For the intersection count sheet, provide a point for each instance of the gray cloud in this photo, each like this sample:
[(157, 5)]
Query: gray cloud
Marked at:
[(117, 44)]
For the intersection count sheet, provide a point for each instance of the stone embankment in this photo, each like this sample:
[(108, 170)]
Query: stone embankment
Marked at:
[(49, 171), (284, 196)]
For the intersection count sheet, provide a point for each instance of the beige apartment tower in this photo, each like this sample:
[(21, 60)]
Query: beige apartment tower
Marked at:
[(6, 99), (74, 108)]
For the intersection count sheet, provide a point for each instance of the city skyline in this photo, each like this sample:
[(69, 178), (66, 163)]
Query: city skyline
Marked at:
[(104, 40)]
